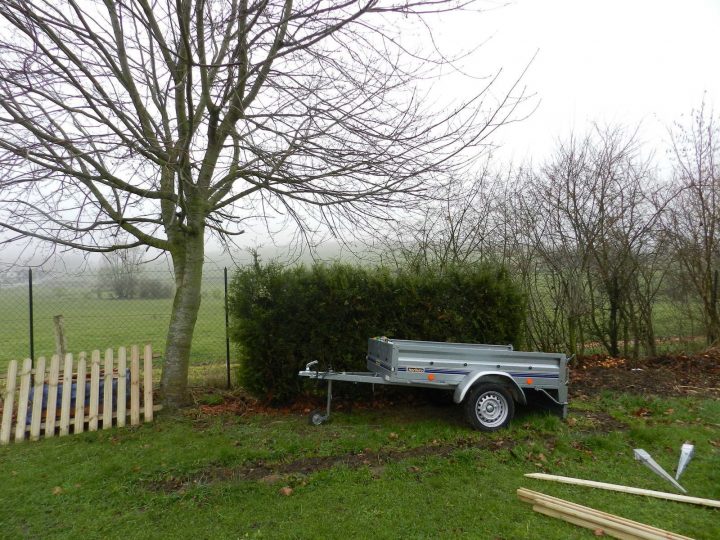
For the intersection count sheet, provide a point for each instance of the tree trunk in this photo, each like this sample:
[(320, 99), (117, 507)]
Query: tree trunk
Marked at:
[(188, 265)]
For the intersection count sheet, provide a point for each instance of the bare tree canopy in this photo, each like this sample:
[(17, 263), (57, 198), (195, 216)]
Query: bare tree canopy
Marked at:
[(142, 122)]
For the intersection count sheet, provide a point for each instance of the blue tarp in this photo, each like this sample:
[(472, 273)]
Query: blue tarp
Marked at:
[(73, 394)]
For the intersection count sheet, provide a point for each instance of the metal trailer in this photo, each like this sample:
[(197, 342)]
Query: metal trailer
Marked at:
[(487, 379)]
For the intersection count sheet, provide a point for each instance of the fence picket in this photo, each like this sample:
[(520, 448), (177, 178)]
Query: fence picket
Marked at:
[(147, 383), (66, 396), (122, 387), (37, 399), (21, 418), (134, 386), (108, 390), (94, 391), (17, 420), (51, 411), (80, 395), (8, 402)]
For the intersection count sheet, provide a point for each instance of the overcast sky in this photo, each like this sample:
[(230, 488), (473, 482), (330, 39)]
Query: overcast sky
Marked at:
[(609, 61)]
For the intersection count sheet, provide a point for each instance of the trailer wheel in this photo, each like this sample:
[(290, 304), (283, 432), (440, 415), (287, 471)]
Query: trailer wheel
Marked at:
[(489, 407), (316, 418)]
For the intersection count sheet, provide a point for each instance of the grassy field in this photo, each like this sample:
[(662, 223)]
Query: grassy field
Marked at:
[(99, 323), (406, 472), (92, 322)]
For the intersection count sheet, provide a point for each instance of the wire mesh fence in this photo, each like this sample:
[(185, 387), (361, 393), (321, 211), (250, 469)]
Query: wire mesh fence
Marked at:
[(105, 309)]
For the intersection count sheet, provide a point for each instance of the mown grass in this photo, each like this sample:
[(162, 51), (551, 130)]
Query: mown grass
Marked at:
[(98, 323), (190, 475)]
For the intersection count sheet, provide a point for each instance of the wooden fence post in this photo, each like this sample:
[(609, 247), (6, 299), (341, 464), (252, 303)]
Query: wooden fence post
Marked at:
[(51, 411), (134, 386), (108, 390), (80, 395), (66, 395), (37, 399), (148, 383), (8, 402), (21, 418), (122, 387), (94, 391)]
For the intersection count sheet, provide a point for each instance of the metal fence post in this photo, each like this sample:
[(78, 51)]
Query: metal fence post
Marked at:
[(227, 331), (32, 329)]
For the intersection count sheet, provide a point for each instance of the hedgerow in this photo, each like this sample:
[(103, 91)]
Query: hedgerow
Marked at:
[(285, 317)]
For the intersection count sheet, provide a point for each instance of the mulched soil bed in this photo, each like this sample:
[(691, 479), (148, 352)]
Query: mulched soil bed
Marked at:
[(677, 375)]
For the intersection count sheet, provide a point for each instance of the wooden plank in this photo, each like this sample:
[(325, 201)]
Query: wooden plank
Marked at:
[(134, 386), (590, 514), (94, 391), (605, 531), (37, 399), (148, 384), (51, 410), (625, 489), (122, 387), (80, 395), (598, 519), (108, 390), (8, 402), (22, 411), (66, 396)]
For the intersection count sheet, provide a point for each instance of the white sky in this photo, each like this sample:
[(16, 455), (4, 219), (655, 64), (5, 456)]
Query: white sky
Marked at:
[(609, 61)]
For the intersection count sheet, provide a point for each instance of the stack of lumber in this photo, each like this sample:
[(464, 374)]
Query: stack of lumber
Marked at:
[(599, 522)]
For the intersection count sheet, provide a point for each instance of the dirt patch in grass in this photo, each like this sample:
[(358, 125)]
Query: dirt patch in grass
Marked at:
[(595, 422), (276, 472), (680, 375)]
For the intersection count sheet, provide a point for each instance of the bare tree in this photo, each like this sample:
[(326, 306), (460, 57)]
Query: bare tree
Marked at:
[(693, 220), (141, 122), (590, 216), (461, 225), (121, 273)]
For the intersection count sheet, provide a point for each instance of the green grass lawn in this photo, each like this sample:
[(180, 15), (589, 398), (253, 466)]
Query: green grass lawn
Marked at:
[(407, 472), (100, 323)]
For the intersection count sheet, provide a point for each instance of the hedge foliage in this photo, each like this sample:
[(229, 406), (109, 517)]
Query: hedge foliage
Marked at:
[(283, 318)]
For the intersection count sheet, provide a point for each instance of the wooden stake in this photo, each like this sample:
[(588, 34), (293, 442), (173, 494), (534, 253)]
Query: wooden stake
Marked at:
[(611, 524), (51, 410), (37, 399), (66, 396), (148, 384), (94, 391), (80, 395), (134, 386), (625, 489), (108, 390), (122, 387), (21, 418), (8, 402)]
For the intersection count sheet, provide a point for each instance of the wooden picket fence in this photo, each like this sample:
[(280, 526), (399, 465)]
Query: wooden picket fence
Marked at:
[(37, 386)]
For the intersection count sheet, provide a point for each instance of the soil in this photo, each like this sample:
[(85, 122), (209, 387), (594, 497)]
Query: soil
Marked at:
[(294, 470), (677, 375)]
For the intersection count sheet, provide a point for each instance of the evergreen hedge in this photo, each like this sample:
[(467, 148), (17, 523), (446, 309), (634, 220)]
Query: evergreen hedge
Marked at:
[(283, 318)]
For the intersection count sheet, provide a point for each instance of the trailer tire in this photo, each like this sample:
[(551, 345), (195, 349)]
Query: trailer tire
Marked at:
[(489, 407)]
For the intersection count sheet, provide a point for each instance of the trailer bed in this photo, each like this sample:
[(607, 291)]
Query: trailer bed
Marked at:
[(460, 367)]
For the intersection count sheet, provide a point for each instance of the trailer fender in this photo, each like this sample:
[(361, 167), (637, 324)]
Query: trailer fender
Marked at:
[(489, 376)]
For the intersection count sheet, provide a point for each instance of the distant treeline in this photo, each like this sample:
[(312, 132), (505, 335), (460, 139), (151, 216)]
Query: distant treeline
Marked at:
[(601, 243)]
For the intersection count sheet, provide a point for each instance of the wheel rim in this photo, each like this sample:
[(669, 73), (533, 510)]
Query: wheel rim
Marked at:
[(491, 409)]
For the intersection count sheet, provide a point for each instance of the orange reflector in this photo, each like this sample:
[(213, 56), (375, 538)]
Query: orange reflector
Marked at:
[(529, 381), (431, 377)]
